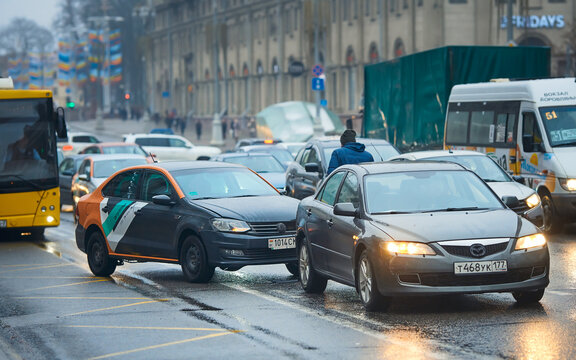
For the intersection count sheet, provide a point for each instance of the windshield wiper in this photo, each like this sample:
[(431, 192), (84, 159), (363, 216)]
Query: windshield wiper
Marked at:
[(239, 196), (492, 180), (36, 186), (458, 209), (205, 198), (393, 212)]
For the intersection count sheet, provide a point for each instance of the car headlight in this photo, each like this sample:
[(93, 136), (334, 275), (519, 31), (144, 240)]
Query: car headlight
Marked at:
[(533, 200), (408, 248), (230, 225), (568, 184), (530, 241)]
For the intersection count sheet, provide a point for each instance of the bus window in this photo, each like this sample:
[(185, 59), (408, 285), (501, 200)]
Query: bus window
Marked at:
[(482, 127), (457, 127), (531, 135)]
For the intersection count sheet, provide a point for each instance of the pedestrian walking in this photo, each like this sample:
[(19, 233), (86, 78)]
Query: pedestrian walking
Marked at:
[(182, 126), (224, 128), (198, 129), (351, 152)]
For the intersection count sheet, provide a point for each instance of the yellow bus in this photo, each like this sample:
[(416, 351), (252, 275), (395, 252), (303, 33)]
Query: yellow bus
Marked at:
[(29, 190)]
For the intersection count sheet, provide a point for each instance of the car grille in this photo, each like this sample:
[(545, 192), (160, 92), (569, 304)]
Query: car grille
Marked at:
[(464, 251), (271, 228), (449, 279), (268, 254)]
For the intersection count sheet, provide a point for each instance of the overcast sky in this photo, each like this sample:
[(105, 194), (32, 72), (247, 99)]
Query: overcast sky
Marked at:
[(41, 11)]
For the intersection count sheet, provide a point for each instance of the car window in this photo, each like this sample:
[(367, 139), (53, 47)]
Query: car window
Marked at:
[(329, 192), (312, 157), (123, 185), (84, 167), (105, 168), (381, 152), (151, 141), (124, 150), (350, 193), (85, 139), (91, 150), (304, 157), (67, 166), (176, 143), (155, 184)]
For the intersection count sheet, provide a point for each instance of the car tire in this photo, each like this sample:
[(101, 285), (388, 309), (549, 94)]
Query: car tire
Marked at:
[(194, 261), (366, 285), (551, 222), (311, 281), (528, 297), (100, 262), (293, 268)]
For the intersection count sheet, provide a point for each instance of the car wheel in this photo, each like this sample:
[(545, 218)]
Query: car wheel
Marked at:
[(366, 285), (292, 268), (528, 297), (101, 264), (194, 261), (551, 221), (311, 281)]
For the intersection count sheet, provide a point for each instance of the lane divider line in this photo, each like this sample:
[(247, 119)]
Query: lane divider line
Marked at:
[(85, 298), (64, 285), (113, 307), (35, 268), (147, 328)]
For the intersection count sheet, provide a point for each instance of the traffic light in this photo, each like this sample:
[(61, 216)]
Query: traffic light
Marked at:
[(69, 103), (127, 96)]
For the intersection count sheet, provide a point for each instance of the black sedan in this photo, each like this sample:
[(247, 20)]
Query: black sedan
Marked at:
[(199, 214), (418, 228)]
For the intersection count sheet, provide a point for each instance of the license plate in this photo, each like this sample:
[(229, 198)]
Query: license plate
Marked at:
[(3, 223), (480, 267), (282, 243)]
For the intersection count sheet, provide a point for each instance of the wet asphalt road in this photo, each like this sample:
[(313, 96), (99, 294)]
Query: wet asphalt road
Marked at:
[(148, 311)]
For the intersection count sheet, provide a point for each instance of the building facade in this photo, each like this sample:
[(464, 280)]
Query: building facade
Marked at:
[(236, 57)]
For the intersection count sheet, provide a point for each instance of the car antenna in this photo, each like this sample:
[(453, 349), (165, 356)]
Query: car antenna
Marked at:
[(376, 151), (153, 157)]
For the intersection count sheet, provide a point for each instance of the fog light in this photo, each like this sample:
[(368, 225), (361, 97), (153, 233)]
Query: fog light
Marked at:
[(50, 218), (233, 252), (43, 209)]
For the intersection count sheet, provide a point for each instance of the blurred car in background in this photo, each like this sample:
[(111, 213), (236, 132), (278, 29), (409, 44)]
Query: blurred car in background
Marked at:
[(266, 165), (94, 169), (528, 205), (165, 147), (256, 141), (167, 131), (76, 142), (311, 163), (66, 171), (280, 153), (116, 148), (293, 147)]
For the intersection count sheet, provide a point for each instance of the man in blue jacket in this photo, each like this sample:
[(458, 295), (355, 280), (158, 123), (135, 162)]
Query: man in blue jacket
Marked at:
[(351, 152)]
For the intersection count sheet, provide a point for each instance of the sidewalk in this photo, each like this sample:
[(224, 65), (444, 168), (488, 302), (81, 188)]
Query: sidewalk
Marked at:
[(114, 129)]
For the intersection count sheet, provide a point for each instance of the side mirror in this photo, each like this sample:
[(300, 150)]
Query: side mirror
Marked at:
[(60, 119), (162, 200), (84, 177), (519, 179), (345, 209), (203, 157), (510, 201), (283, 192), (312, 167)]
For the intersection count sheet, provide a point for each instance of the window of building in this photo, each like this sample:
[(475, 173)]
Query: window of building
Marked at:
[(458, 1)]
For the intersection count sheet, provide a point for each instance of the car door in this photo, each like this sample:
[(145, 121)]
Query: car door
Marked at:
[(80, 181), (154, 226), (319, 221), (305, 182), (531, 146), (65, 173), (342, 230), (180, 150)]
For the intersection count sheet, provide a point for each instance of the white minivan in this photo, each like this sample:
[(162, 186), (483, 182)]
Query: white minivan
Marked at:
[(529, 128)]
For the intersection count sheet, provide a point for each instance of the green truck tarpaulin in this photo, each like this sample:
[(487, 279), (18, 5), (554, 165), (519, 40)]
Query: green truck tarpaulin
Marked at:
[(405, 99)]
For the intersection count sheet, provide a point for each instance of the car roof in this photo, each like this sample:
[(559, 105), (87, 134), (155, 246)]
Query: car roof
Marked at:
[(404, 166), (436, 153), (100, 157), (262, 147), (244, 154), (142, 135), (198, 164), (114, 143)]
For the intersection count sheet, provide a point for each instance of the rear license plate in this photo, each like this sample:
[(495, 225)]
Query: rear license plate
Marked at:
[(3, 223), (481, 267), (282, 243)]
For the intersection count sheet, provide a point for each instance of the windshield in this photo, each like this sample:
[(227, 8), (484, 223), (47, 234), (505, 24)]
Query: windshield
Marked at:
[(260, 164), (483, 166), (281, 155), (380, 152), (424, 191), (221, 183), (560, 124), (29, 160), (105, 168)]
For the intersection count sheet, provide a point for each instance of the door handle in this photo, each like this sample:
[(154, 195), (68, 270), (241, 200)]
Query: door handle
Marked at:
[(309, 212), (330, 222), (106, 209)]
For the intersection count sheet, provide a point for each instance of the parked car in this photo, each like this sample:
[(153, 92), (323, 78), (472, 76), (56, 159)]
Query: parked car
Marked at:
[(293, 147), (116, 148), (266, 165), (528, 205), (76, 141), (201, 215), (167, 131), (66, 171), (94, 169), (256, 141), (281, 154), (171, 147), (311, 164), (417, 228)]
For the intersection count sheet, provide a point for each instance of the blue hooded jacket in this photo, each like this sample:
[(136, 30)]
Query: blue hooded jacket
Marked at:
[(350, 153)]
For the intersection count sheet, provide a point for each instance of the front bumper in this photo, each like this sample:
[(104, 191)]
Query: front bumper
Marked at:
[(254, 249), (434, 275)]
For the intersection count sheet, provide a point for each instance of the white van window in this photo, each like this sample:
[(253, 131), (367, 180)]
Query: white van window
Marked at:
[(531, 135), (457, 127), (560, 124), (482, 127)]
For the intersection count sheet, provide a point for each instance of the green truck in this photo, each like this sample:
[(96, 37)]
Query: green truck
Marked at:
[(405, 99)]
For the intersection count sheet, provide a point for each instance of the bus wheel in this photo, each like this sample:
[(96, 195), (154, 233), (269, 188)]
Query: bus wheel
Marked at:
[(101, 264), (551, 222), (37, 235)]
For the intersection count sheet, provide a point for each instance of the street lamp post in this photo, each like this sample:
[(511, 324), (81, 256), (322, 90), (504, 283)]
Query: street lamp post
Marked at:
[(217, 139)]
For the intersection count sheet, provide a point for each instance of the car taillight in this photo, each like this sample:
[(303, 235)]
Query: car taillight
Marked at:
[(67, 148)]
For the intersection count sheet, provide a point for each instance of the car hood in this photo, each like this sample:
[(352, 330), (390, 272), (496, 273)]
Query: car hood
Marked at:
[(254, 208), (458, 225), (566, 158), (511, 188), (277, 179), (207, 150)]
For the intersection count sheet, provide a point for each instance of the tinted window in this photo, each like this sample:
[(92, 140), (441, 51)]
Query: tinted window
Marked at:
[(531, 135), (105, 168), (84, 139), (84, 167), (350, 193), (156, 184), (176, 143), (91, 150), (123, 185), (457, 127), (328, 195), (67, 167)]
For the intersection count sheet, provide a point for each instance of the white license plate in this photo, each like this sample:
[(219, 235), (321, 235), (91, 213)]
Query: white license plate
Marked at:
[(282, 243), (480, 267), (3, 223)]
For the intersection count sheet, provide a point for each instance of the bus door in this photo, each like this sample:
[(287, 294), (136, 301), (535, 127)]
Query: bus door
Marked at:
[(532, 148)]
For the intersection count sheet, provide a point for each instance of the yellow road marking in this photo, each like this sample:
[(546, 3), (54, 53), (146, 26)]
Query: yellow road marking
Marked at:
[(146, 328), (35, 268), (64, 285), (86, 298), (165, 345), (49, 277), (113, 307), (26, 265)]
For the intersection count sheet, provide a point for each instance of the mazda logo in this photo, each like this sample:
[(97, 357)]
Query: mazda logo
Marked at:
[(281, 228), (477, 250)]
